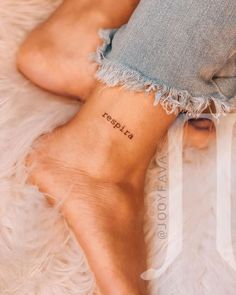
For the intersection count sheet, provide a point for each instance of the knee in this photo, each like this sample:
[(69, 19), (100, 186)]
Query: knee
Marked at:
[(28, 59)]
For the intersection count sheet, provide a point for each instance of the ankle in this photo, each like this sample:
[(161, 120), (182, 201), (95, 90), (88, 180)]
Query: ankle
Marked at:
[(92, 158), (104, 158)]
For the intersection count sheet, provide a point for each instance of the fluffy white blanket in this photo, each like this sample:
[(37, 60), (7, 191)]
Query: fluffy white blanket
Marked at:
[(189, 208)]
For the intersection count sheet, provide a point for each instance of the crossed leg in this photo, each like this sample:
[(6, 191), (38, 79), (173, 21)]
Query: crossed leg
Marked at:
[(56, 55), (93, 166)]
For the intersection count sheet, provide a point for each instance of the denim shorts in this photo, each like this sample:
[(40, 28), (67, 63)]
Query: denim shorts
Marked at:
[(184, 51)]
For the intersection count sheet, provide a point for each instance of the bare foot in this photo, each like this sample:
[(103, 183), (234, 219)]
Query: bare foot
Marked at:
[(55, 56), (98, 169), (105, 213)]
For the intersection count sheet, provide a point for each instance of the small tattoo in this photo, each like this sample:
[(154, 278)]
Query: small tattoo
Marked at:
[(117, 125)]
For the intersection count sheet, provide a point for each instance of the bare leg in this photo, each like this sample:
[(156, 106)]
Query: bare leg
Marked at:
[(55, 56), (100, 167)]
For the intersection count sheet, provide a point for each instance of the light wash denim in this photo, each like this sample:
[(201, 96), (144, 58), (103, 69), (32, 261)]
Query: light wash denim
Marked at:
[(183, 50)]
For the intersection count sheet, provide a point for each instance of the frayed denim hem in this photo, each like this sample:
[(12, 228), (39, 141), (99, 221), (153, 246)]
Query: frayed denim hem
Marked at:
[(172, 100)]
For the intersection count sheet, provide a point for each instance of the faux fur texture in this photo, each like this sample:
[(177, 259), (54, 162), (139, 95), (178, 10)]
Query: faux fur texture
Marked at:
[(38, 253)]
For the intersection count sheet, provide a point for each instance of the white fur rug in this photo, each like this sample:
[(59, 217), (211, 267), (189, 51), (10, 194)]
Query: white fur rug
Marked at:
[(191, 247)]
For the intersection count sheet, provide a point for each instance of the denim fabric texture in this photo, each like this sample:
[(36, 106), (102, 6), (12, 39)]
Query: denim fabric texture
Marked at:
[(182, 50)]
